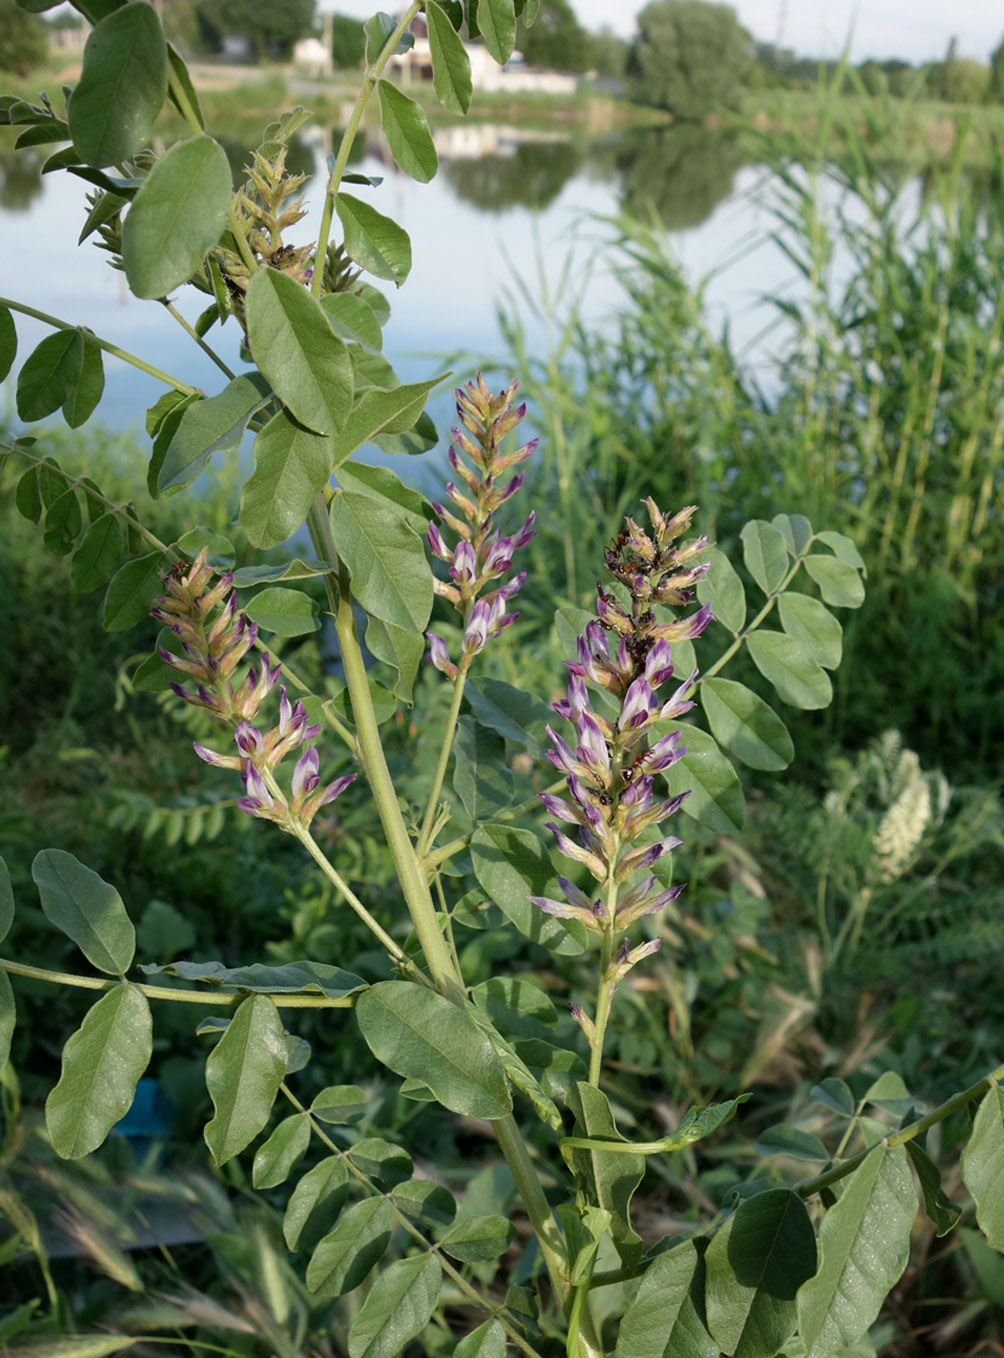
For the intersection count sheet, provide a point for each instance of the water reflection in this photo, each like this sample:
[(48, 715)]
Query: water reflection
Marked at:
[(20, 173), (524, 174), (683, 172)]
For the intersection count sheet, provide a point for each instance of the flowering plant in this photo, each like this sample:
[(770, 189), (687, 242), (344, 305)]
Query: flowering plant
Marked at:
[(646, 734)]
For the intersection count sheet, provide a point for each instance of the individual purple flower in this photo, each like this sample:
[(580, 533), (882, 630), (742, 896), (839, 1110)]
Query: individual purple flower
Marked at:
[(439, 655), (305, 799)]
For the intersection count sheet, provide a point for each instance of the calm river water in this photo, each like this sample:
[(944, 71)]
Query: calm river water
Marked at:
[(501, 203)]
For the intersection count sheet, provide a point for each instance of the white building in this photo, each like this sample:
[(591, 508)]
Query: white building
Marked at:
[(486, 74)]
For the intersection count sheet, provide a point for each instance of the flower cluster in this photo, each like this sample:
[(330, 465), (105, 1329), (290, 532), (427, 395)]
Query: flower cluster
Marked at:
[(609, 768), (215, 638), (481, 556)]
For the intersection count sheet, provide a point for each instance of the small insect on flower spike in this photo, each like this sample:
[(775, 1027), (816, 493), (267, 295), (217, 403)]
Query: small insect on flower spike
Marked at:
[(610, 762)]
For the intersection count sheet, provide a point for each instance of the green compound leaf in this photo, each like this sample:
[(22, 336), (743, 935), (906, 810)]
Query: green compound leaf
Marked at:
[(512, 865), (796, 531), (315, 1203), (86, 908), (50, 375), (451, 66), (8, 342), (835, 1094), (755, 1265), (131, 591), (383, 484), (981, 1166), (716, 796), (475, 1239), (352, 318), (381, 1160), (698, 1123), (84, 396), (97, 554), (481, 777), (62, 523), (842, 547), (343, 1258), (177, 216), (487, 1341), (102, 1063), (800, 681), (373, 241), (937, 1204), (407, 131), (723, 590), (291, 465), (391, 576), (401, 649), (608, 1178), (864, 1246), (518, 716), (765, 554), (305, 362), (243, 1074), (518, 1008), (813, 627), (662, 1321), (746, 726), (397, 1308), (122, 86), (286, 612), (424, 1203), (497, 22), (839, 582), (274, 1161), (784, 1139), (421, 1035), (291, 978), (210, 426), (422, 436), (339, 1103), (382, 412)]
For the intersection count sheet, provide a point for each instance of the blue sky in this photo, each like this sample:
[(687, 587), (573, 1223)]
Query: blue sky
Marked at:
[(918, 30)]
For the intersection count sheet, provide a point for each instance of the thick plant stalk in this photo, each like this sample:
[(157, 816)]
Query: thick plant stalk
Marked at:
[(414, 883)]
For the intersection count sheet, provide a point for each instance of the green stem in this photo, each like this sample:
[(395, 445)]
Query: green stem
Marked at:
[(207, 349), (414, 883), (156, 992), (900, 1138), (445, 852), (425, 837), (108, 348), (603, 997), (373, 74), (333, 876)]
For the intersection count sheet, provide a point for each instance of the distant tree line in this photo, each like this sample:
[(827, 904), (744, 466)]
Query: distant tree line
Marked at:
[(689, 57)]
